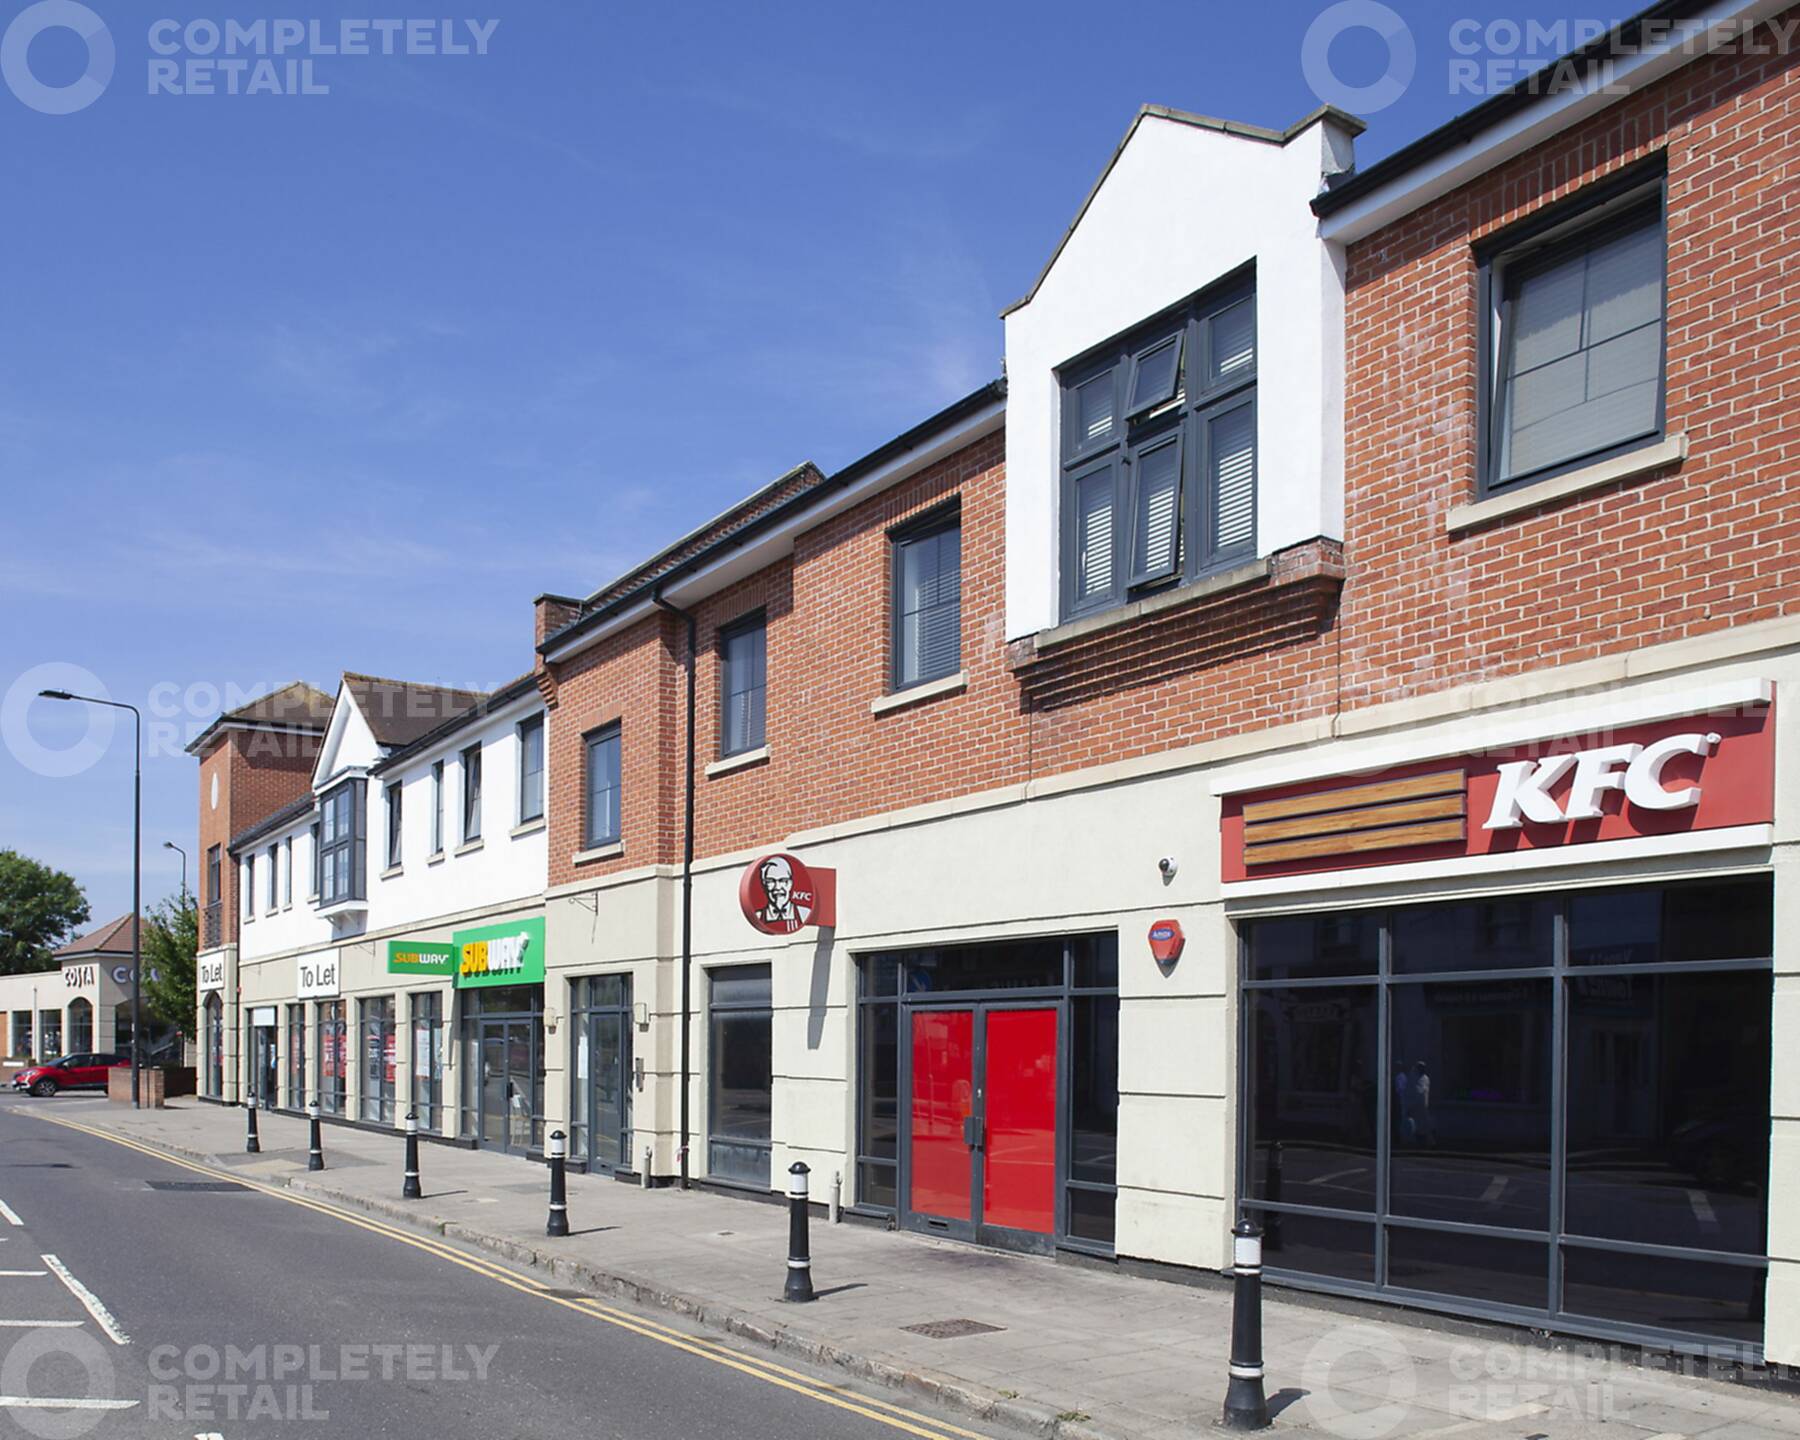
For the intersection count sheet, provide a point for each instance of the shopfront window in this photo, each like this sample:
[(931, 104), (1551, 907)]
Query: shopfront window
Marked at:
[(81, 1024), (296, 1057), (1554, 1109), (215, 1046), (49, 1034), (740, 1075), (426, 1019), (334, 1059), (379, 1057)]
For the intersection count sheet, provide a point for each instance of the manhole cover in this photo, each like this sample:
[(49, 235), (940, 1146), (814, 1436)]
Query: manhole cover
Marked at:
[(952, 1329), (216, 1186)]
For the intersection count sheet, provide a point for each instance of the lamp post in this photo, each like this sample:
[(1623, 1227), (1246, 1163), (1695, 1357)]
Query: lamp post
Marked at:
[(171, 845), (137, 875)]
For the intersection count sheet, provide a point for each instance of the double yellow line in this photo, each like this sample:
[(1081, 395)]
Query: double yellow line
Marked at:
[(896, 1417)]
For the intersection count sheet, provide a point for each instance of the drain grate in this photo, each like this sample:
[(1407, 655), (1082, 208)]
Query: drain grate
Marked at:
[(952, 1329), (212, 1186)]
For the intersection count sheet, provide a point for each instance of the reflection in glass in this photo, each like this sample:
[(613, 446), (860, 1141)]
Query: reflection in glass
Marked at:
[(1469, 1102), (1707, 920), (1307, 946), (740, 1075), (1665, 1294), (1313, 1093), (1506, 933), (1498, 1270), (1319, 1245), (1669, 1108)]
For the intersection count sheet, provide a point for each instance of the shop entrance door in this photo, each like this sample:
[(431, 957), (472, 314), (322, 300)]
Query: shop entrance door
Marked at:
[(265, 1076), (609, 1046), (981, 1144), (507, 1063)]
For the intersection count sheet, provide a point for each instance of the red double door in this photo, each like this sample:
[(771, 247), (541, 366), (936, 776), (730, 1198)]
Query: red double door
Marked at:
[(982, 1152)]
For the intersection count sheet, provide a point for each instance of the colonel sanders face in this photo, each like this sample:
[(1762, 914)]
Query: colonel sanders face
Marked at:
[(778, 886)]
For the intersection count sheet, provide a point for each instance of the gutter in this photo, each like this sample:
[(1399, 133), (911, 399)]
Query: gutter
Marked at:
[(687, 882)]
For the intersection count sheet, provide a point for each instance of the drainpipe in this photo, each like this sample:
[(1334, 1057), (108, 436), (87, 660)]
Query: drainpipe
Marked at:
[(687, 883)]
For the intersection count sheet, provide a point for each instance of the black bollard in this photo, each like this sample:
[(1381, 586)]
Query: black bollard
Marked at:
[(315, 1155), (252, 1144), (410, 1190), (799, 1286), (558, 1224), (1246, 1407)]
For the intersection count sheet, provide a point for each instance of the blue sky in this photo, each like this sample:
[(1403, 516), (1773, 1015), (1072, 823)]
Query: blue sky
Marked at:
[(295, 384)]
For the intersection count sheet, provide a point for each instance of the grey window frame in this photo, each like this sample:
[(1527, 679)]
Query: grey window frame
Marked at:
[(470, 758), (272, 891), (354, 841), (1559, 970), (531, 791), (249, 906), (755, 623), (724, 1007), (1198, 400), (615, 734), (930, 526), (437, 807), (287, 872), (393, 797), (1615, 205), (316, 833)]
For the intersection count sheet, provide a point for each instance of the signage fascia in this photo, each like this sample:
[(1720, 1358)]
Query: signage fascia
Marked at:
[(509, 953)]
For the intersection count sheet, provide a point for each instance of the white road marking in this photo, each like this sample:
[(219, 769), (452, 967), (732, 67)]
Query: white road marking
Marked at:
[(102, 1316), (46, 1402), (1495, 1189), (46, 1324), (8, 1214), (20, 1274), (1702, 1208), (1337, 1175)]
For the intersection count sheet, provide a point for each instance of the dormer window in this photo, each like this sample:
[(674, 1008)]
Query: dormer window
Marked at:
[(1159, 453)]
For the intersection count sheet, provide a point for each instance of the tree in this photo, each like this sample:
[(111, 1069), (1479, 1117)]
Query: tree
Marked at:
[(170, 938), (39, 909)]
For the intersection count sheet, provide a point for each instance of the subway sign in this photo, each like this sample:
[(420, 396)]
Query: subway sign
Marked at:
[(421, 957), (511, 953)]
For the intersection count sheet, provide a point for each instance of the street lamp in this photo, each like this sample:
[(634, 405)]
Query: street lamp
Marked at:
[(171, 845), (137, 875)]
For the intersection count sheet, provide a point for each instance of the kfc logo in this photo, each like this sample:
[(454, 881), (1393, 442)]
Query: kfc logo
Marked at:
[(780, 895), (1524, 790)]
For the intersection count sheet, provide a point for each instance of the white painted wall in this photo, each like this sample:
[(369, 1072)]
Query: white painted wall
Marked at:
[(510, 864), (1184, 206)]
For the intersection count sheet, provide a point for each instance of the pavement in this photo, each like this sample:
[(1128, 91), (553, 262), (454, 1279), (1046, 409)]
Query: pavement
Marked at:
[(1063, 1350)]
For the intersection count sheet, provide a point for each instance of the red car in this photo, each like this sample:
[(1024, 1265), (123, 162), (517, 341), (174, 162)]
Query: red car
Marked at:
[(70, 1072)]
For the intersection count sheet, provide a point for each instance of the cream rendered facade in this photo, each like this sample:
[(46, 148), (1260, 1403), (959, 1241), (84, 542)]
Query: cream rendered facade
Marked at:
[(1080, 853), (101, 984), (293, 954)]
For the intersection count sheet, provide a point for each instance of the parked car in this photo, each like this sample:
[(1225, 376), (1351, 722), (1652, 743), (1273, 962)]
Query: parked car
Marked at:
[(69, 1072)]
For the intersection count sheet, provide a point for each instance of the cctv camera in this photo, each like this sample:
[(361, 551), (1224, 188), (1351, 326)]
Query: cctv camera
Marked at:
[(1168, 867)]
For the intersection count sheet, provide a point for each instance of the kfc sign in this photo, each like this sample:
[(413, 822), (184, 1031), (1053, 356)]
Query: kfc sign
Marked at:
[(780, 894), (1639, 780), (1524, 791)]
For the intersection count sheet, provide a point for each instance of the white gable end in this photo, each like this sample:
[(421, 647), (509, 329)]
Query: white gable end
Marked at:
[(1185, 205)]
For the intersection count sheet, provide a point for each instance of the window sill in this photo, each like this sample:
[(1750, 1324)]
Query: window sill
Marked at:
[(924, 690), (469, 847), (743, 760), (599, 852), (527, 827), (436, 857), (392, 871), (1246, 574), (1665, 453)]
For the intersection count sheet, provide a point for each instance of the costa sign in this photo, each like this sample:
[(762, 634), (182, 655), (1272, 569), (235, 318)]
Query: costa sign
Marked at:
[(1663, 778), (780, 894)]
